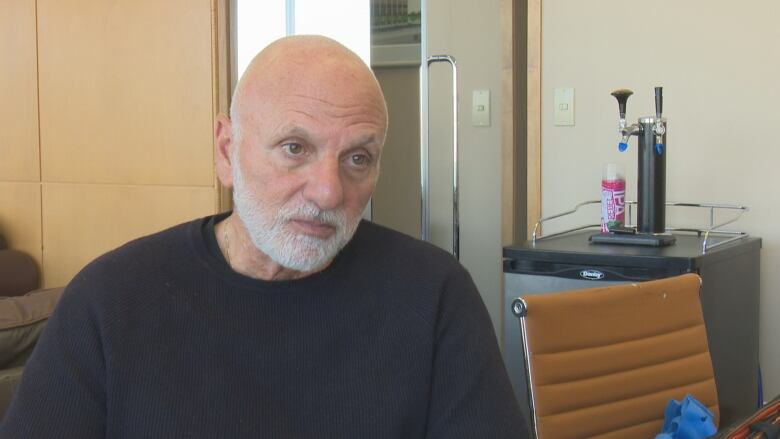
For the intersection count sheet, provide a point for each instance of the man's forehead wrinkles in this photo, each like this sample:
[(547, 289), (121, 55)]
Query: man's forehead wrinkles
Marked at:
[(330, 106), (292, 130), (321, 100), (356, 112)]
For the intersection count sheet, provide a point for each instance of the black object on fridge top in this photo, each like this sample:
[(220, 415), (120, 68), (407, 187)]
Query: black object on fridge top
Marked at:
[(729, 296)]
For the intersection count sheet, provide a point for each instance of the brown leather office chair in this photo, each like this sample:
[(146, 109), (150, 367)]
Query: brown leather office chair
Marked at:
[(604, 362)]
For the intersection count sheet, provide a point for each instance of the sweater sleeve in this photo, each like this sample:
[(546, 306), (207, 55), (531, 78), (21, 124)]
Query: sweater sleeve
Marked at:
[(471, 393), (62, 392)]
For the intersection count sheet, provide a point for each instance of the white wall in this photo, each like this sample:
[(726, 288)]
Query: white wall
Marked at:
[(719, 64), (469, 31)]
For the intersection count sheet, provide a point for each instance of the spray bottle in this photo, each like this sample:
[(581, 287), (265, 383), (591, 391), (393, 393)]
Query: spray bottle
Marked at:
[(613, 197)]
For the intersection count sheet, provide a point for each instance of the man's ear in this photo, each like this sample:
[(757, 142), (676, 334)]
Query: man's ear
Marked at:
[(223, 134)]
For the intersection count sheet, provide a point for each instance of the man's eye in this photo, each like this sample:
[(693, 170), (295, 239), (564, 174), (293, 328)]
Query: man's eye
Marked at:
[(359, 159), (293, 148)]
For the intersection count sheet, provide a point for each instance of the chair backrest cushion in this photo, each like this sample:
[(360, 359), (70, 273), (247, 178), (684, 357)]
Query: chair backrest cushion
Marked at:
[(18, 273), (22, 319), (604, 362)]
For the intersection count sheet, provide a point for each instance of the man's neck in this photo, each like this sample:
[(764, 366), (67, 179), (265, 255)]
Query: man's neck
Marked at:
[(244, 258)]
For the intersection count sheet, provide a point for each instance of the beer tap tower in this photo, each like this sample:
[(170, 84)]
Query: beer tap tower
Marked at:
[(651, 184)]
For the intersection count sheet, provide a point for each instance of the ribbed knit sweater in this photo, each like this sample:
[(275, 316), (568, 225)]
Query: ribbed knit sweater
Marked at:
[(161, 339)]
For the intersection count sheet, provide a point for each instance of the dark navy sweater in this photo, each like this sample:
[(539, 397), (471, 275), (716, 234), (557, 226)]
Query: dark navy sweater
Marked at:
[(161, 339)]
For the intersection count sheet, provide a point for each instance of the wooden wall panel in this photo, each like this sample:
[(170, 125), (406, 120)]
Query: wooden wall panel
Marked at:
[(18, 92), (81, 222), (222, 78), (20, 217), (534, 109), (126, 91), (508, 141)]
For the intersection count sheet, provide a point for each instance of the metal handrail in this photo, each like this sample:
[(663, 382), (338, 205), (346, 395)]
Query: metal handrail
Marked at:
[(568, 212), (424, 141), (707, 232)]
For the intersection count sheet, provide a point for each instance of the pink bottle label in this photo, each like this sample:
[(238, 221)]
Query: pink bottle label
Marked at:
[(613, 204)]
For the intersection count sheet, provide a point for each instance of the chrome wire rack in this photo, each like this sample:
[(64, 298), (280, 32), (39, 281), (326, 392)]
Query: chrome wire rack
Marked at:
[(710, 231)]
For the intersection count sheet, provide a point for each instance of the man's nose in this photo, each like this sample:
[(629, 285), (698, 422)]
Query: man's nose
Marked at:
[(324, 187)]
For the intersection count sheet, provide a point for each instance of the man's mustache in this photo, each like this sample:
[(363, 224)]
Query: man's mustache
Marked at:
[(310, 212)]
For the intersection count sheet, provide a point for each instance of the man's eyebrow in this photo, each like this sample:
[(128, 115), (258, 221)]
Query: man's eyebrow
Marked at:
[(364, 141), (291, 130)]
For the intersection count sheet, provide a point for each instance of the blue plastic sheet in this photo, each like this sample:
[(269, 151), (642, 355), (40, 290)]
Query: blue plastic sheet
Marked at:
[(687, 419)]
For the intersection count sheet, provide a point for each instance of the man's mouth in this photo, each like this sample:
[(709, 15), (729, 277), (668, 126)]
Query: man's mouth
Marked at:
[(313, 227)]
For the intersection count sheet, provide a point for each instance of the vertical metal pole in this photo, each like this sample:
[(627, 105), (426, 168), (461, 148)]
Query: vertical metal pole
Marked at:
[(289, 14), (455, 178), (455, 168), (425, 214), (425, 217)]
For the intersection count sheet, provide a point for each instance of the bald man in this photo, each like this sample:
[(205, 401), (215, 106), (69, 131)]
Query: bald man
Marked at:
[(286, 318)]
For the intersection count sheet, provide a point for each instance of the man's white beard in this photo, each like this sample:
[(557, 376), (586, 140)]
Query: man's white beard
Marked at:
[(271, 234)]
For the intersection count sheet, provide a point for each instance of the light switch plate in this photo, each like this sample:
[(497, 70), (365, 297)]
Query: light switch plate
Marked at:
[(480, 108), (564, 107)]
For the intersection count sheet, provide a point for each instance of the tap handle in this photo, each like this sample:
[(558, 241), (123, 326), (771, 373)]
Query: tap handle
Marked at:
[(659, 101), (622, 97)]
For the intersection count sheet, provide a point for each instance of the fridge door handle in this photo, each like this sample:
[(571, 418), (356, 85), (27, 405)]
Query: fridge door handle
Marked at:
[(424, 131)]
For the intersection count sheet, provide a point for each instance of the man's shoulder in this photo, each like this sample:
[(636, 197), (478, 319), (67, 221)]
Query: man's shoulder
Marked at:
[(404, 270), (150, 250), (385, 242), (135, 262), (402, 259)]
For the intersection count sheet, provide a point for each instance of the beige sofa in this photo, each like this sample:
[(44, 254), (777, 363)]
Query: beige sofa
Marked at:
[(22, 319), (24, 310)]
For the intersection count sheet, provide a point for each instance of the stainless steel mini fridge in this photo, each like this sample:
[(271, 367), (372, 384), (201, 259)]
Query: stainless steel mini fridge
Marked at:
[(729, 296)]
